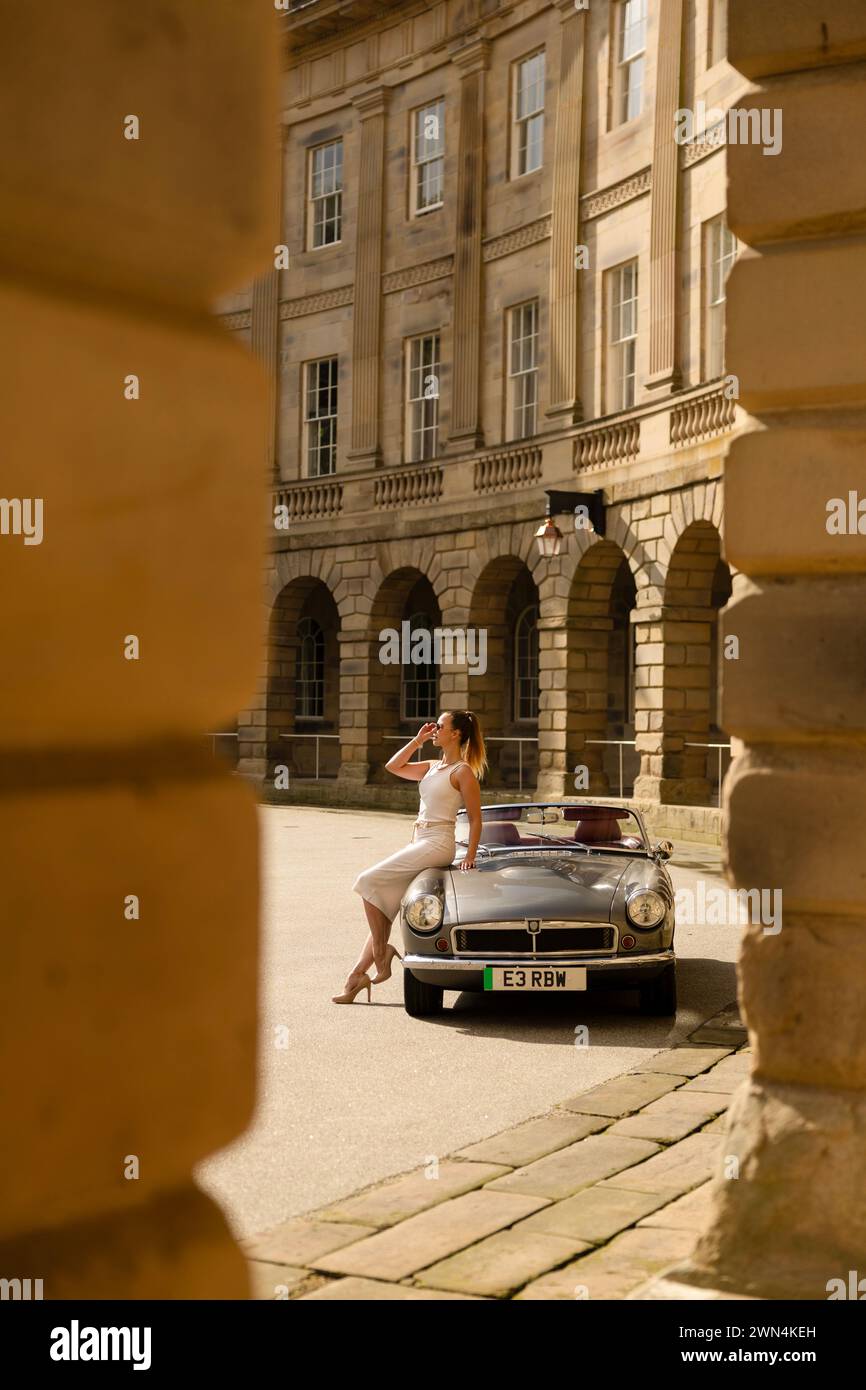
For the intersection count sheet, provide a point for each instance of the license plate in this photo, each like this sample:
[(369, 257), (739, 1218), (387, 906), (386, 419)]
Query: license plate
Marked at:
[(543, 977)]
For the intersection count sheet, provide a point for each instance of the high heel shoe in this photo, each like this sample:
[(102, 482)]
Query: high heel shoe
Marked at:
[(364, 982), (391, 952)]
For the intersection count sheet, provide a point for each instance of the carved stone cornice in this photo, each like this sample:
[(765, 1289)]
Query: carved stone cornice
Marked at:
[(372, 103), (515, 240), (706, 143), (417, 274), (473, 56), (604, 199), (313, 303), (241, 318)]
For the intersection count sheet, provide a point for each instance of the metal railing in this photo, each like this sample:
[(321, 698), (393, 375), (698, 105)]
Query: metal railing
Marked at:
[(620, 743), (318, 738), (495, 738), (219, 734), (390, 738), (721, 747)]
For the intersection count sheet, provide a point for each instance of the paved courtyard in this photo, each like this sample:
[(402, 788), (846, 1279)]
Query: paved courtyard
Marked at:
[(588, 1201), (350, 1096)]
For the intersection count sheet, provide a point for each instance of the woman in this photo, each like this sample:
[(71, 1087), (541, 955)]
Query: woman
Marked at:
[(443, 787)]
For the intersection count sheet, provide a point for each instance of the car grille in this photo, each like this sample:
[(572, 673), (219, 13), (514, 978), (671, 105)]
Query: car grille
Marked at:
[(570, 938)]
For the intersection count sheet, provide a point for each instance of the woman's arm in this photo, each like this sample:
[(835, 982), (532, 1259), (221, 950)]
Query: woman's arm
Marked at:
[(400, 764), (468, 784)]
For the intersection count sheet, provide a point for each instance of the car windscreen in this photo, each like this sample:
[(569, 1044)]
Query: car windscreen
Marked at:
[(546, 827)]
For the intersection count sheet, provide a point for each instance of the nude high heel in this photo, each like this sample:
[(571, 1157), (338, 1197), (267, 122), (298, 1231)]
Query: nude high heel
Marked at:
[(391, 952), (364, 982)]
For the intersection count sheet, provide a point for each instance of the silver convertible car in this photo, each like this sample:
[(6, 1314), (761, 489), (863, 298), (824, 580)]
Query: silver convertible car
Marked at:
[(563, 897)]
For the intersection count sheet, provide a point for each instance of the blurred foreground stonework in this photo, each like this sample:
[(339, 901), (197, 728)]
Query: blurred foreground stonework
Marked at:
[(796, 1218), (128, 1040)]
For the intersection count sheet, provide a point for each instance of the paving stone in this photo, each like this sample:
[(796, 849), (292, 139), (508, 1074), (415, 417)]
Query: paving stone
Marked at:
[(718, 1124), (565, 1172), (495, 1267), (411, 1193), (675, 1170), (595, 1214), (689, 1213), (270, 1281), (739, 1064), (301, 1241), (672, 1117), (623, 1094), (721, 1036), (524, 1143), (723, 1085), (724, 1027), (615, 1269), (682, 1061), (353, 1290), (431, 1236)]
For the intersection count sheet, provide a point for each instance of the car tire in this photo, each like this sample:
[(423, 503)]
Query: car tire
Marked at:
[(659, 997), (421, 1000)]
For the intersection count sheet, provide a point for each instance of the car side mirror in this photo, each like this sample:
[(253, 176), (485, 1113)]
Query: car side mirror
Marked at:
[(663, 850)]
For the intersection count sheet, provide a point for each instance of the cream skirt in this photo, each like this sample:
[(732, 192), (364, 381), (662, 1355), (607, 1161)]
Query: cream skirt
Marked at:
[(384, 884)]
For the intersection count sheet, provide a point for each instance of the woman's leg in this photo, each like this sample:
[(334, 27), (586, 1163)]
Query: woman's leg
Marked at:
[(365, 959), (380, 930), (374, 946)]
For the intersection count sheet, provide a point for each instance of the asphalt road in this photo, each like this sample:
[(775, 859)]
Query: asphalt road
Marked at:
[(363, 1091)]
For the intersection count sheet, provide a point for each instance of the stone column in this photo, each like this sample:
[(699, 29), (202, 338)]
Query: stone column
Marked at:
[(367, 312), (357, 657), (664, 367), (672, 702), (565, 229), (264, 328), (553, 656), (466, 433), (795, 1218), (129, 980)]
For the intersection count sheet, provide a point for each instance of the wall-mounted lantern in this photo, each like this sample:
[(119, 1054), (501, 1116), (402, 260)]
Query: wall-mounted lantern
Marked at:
[(587, 509)]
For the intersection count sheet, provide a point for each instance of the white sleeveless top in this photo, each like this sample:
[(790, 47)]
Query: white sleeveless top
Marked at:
[(439, 800)]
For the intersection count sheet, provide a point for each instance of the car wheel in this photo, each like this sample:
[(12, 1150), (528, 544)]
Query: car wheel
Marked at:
[(660, 995), (421, 1000)]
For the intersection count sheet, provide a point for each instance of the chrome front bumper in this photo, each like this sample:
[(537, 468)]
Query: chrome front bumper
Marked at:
[(625, 961)]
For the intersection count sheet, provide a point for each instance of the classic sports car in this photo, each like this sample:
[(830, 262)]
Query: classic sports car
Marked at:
[(563, 897)]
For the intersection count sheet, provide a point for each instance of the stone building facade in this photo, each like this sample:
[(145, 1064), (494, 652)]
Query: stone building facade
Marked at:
[(497, 274)]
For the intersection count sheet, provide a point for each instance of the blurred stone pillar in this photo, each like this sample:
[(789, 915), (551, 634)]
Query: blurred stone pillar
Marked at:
[(128, 990), (795, 1218)]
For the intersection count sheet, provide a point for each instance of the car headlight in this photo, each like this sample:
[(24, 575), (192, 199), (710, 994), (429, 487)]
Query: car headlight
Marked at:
[(425, 912), (646, 909)]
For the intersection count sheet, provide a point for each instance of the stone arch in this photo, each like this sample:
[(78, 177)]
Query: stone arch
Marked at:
[(599, 656), (289, 729), (403, 592), (503, 591), (684, 665)]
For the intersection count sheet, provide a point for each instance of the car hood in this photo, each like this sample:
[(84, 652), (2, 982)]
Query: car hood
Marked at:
[(562, 887)]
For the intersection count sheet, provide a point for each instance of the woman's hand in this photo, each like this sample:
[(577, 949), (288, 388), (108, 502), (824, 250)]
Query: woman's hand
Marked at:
[(424, 733), (468, 863)]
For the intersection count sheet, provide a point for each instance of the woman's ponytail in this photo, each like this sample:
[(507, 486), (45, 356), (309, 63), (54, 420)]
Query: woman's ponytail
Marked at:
[(471, 740)]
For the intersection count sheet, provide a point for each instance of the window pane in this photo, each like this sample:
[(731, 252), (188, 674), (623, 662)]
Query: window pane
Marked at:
[(633, 40)]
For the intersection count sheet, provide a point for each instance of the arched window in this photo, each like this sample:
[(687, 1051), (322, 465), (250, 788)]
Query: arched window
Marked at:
[(526, 664), (418, 692), (310, 671)]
